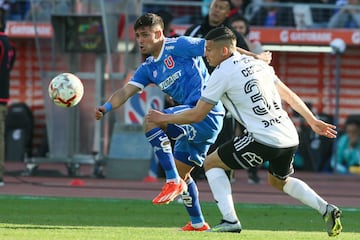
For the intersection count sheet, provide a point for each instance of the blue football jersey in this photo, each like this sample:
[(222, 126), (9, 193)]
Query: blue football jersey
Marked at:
[(179, 70)]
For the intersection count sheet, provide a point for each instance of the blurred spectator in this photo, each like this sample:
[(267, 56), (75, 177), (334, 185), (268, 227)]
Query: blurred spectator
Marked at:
[(309, 16), (273, 16), (348, 16), (348, 147), (18, 10), (251, 8), (4, 7), (340, 3), (321, 16), (315, 151), (238, 7), (240, 24), (218, 16), (167, 17)]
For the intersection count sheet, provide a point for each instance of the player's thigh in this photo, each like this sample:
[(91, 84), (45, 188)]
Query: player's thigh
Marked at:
[(189, 153), (205, 131), (281, 162), (245, 152), (213, 161)]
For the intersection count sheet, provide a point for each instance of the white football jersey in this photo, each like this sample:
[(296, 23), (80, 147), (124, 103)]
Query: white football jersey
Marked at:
[(246, 86)]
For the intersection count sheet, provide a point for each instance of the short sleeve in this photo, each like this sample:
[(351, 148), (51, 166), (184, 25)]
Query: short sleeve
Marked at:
[(189, 47), (140, 77), (215, 88)]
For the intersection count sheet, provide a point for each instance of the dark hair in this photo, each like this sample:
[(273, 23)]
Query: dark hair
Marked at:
[(353, 119), (148, 20), (166, 16), (239, 17), (228, 1), (220, 33), (2, 20)]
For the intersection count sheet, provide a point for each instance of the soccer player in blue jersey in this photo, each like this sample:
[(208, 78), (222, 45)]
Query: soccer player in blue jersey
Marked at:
[(176, 66)]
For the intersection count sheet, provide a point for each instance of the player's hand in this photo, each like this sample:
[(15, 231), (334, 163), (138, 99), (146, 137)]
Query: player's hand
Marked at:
[(99, 112), (155, 117), (265, 56), (324, 129)]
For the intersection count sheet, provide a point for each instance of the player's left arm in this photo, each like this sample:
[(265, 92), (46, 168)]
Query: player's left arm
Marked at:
[(196, 114), (190, 46), (317, 125), (265, 56)]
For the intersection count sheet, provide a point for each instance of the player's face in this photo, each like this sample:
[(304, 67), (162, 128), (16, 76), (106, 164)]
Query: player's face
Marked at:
[(149, 40), (213, 53)]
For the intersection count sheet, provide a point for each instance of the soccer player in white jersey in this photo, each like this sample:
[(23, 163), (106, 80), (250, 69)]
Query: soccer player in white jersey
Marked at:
[(176, 66), (252, 92)]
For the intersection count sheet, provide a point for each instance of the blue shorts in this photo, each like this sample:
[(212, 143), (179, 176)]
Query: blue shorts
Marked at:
[(193, 144)]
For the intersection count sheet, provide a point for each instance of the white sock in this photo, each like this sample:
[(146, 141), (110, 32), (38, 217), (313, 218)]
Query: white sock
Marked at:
[(176, 180), (221, 189), (301, 191)]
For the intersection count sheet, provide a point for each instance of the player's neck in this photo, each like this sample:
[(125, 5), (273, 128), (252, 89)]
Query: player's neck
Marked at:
[(157, 49)]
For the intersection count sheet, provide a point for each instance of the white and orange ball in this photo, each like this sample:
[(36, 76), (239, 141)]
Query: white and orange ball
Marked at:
[(66, 90)]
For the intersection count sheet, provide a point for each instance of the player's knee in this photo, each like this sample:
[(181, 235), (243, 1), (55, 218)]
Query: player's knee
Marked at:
[(276, 182), (210, 162), (207, 165), (147, 126)]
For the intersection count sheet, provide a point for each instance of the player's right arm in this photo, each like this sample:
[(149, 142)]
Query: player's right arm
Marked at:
[(193, 115), (193, 47), (117, 99), (265, 56), (317, 125)]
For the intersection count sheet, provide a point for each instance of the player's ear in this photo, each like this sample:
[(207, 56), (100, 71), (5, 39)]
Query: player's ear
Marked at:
[(158, 34), (225, 51)]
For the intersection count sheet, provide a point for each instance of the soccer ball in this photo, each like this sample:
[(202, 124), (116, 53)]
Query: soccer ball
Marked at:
[(66, 90)]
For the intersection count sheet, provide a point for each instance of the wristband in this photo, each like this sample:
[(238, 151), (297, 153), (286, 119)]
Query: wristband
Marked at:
[(107, 106)]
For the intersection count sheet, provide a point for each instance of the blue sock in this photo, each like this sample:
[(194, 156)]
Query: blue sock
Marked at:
[(153, 171), (162, 148), (191, 202)]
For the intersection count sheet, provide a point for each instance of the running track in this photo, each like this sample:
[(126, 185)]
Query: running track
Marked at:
[(341, 190)]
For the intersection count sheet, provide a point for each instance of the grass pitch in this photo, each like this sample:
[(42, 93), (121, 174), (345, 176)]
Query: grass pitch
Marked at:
[(43, 218)]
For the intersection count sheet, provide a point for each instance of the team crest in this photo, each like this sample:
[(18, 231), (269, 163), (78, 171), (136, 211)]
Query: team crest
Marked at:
[(169, 62), (252, 158), (191, 132)]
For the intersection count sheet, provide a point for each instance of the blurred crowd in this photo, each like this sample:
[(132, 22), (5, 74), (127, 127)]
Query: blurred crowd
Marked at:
[(268, 13), (301, 14)]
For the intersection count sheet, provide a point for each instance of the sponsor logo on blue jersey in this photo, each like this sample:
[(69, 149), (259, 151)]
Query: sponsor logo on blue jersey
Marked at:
[(170, 80)]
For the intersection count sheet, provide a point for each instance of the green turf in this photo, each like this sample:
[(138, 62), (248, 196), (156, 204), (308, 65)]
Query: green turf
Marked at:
[(83, 218)]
